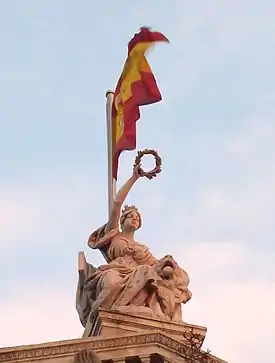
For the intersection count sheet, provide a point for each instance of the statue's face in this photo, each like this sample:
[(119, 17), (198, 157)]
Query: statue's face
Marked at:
[(131, 222)]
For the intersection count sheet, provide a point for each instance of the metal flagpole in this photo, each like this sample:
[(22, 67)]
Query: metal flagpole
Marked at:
[(111, 180)]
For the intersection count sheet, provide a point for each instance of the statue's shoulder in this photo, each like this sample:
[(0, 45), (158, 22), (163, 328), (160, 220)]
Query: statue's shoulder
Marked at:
[(100, 238)]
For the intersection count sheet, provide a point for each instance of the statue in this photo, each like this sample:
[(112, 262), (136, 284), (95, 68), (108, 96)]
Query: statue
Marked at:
[(133, 281)]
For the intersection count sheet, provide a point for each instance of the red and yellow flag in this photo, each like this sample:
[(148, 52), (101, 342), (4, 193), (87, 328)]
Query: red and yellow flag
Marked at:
[(136, 87)]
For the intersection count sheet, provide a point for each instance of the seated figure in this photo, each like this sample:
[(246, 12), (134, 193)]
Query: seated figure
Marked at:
[(133, 281)]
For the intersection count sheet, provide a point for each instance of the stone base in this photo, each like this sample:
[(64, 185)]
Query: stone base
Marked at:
[(108, 324), (118, 338)]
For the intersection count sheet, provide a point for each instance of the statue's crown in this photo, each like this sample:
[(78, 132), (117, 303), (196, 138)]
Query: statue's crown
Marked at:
[(128, 208)]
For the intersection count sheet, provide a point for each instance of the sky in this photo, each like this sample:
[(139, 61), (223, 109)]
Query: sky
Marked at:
[(212, 207)]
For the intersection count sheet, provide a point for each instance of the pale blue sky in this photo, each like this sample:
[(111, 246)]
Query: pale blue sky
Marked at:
[(211, 207)]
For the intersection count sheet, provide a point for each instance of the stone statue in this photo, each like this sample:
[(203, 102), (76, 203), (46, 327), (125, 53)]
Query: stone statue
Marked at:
[(133, 281)]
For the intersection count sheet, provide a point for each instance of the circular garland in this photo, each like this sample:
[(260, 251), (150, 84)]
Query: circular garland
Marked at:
[(157, 169)]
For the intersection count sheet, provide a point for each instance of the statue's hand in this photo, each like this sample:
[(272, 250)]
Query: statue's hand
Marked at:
[(137, 173)]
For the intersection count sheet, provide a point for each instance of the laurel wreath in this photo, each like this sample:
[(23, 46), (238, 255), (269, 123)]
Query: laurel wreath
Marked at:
[(152, 173)]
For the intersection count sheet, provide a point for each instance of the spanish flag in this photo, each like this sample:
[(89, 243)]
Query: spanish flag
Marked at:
[(136, 87)]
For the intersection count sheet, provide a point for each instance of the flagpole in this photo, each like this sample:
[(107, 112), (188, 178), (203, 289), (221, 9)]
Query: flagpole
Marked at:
[(111, 180)]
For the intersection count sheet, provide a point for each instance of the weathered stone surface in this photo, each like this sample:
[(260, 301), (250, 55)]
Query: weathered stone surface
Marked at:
[(117, 324), (117, 348)]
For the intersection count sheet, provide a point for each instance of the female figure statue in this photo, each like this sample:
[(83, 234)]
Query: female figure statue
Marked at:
[(134, 281)]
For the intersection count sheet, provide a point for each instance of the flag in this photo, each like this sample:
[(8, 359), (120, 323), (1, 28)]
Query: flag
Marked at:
[(136, 87)]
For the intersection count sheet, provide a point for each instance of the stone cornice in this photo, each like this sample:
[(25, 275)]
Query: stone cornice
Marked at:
[(68, 348), (150, 324)]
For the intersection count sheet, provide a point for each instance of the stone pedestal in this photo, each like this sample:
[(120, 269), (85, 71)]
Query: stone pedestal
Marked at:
[(120, 338), (116, 324)]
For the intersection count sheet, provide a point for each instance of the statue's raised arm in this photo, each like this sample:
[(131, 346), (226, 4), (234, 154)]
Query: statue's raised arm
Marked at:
[(120, 198), (101, 238)]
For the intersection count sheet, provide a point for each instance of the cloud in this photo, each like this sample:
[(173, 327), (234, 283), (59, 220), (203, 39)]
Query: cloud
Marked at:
[(201, 254), (19, 214), (239, 317), (30, 207), (229, 43), (44, 314), (254, 139), (232, 189), (236, 307)]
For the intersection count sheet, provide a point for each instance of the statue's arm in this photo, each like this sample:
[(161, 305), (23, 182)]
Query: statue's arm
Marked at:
[(120, 199)]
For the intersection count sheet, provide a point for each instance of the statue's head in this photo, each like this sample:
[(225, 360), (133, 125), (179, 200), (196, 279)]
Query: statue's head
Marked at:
[(130, 219)]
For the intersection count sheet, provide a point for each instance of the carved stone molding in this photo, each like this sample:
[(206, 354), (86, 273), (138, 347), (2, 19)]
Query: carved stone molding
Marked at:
[(86, 356), (69, 348), (121, 323)]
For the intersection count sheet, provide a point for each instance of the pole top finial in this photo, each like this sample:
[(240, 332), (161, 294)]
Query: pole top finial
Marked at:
[(109, 92)]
